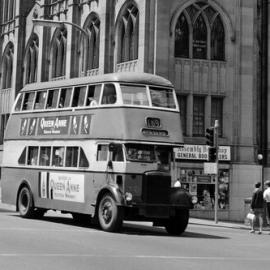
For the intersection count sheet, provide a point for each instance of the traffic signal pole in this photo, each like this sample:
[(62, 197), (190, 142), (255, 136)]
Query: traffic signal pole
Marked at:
[(216, 176)]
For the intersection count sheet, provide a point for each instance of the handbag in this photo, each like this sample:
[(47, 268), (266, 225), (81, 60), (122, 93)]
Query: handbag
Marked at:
[(250, 216)]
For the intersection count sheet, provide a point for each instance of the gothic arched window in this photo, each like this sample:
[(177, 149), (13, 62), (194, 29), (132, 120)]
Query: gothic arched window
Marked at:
[(90, 56), (182, 37), (31, 60), (58, 53), (199, 42), (217, 40), (7, 66), (128, 34), (199, 33)]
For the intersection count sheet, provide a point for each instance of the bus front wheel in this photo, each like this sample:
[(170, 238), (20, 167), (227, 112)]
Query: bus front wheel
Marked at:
[(177, 225), (110, 216), (25, 203)]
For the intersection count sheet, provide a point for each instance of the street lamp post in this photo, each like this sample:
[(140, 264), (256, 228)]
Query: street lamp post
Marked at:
[(51, 23)]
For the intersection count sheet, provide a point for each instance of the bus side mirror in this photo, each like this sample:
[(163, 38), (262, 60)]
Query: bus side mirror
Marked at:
[(110, 165)]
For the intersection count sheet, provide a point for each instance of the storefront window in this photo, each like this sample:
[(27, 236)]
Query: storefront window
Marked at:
[(203, 187)]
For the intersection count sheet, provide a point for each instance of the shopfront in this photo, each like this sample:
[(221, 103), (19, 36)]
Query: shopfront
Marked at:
[(190, 161)]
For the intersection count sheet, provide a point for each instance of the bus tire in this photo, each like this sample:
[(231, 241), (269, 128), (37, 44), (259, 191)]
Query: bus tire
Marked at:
[(176, 225), (110, 216), (25, 203)]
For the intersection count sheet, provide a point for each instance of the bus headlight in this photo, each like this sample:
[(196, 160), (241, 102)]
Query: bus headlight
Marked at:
[(128, 196), (177, 184), (194, 199)]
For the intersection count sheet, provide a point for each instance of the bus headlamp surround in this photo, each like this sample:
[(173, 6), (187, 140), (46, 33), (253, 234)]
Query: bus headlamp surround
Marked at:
[(128, 196), (194, 199)]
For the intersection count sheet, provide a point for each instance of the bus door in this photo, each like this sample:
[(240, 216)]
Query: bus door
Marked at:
[(109, 165)]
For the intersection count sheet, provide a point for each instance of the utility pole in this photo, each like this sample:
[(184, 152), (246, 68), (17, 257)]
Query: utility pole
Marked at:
[(211, 167), (216, 176)]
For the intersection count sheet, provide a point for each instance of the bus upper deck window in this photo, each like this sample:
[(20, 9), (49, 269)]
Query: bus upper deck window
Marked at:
[(65, 96), (93, 95), (45, 156), (58, 156), (19, 103), (32, 155), (161, 97), (134, 95), (79, 96), (28, 101), (109, 94), (40, 100), (52, 99)]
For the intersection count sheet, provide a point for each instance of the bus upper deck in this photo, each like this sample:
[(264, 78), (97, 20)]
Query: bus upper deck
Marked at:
[(113, 106)]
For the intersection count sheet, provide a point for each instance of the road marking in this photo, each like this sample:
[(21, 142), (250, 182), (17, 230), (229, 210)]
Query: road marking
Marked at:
[(134, 257)]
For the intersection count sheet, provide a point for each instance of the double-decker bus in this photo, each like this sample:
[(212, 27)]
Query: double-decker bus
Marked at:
[(96, 147)]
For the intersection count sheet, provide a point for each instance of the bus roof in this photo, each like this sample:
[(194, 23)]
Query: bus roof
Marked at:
[(122, 77)]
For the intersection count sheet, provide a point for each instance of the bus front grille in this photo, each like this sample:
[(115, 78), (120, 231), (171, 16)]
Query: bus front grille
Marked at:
[(156, 188)]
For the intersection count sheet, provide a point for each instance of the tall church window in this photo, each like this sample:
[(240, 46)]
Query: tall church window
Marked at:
[(182, 37), (58, 54), (217, 40), (7, 66), (31, 60), (90, 57), (199, 33), (128, 34)]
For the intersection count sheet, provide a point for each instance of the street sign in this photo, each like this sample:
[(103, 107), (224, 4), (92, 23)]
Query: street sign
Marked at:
[(210, 167)]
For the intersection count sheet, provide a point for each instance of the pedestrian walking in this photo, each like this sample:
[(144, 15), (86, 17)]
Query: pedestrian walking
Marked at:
[(257, 204), (266, 196)]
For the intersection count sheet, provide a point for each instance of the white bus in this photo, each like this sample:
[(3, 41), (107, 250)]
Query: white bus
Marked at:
[(96, 147)]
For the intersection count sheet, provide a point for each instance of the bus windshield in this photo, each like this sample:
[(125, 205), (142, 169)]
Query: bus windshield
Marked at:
[(149, 153)]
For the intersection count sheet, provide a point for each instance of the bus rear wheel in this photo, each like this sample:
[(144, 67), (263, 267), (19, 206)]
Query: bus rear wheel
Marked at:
[(110, 216), (177, 225), (25, 203)]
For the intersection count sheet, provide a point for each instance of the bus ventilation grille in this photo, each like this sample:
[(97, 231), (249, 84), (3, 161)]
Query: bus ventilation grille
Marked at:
[(156, 188)]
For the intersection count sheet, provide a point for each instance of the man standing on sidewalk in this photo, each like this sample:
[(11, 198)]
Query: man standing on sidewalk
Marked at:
[(257, 207), (266, 196)]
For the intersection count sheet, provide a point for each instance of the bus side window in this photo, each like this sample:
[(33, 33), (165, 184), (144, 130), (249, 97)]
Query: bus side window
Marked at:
[(32, 155), (117, 153), (93, 95), (52, 99), (109, 94), (102, 152), (28, 101), (65, 96), (40, 100), (45, 156), (83, 162), (22, 157), (58, 156), (19, 103), (79, 96), (72, 156)]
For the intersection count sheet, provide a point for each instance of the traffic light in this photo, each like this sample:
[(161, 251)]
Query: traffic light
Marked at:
[(212, 154), (210, 138)]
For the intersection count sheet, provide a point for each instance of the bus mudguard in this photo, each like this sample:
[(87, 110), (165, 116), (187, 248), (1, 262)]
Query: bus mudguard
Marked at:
[(181, 198)]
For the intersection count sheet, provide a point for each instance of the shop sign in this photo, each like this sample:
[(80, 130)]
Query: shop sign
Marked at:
[(210, 168), (200, 152)]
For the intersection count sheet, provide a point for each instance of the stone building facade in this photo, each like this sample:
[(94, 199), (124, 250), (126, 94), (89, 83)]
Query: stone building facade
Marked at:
[(211, 50)]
